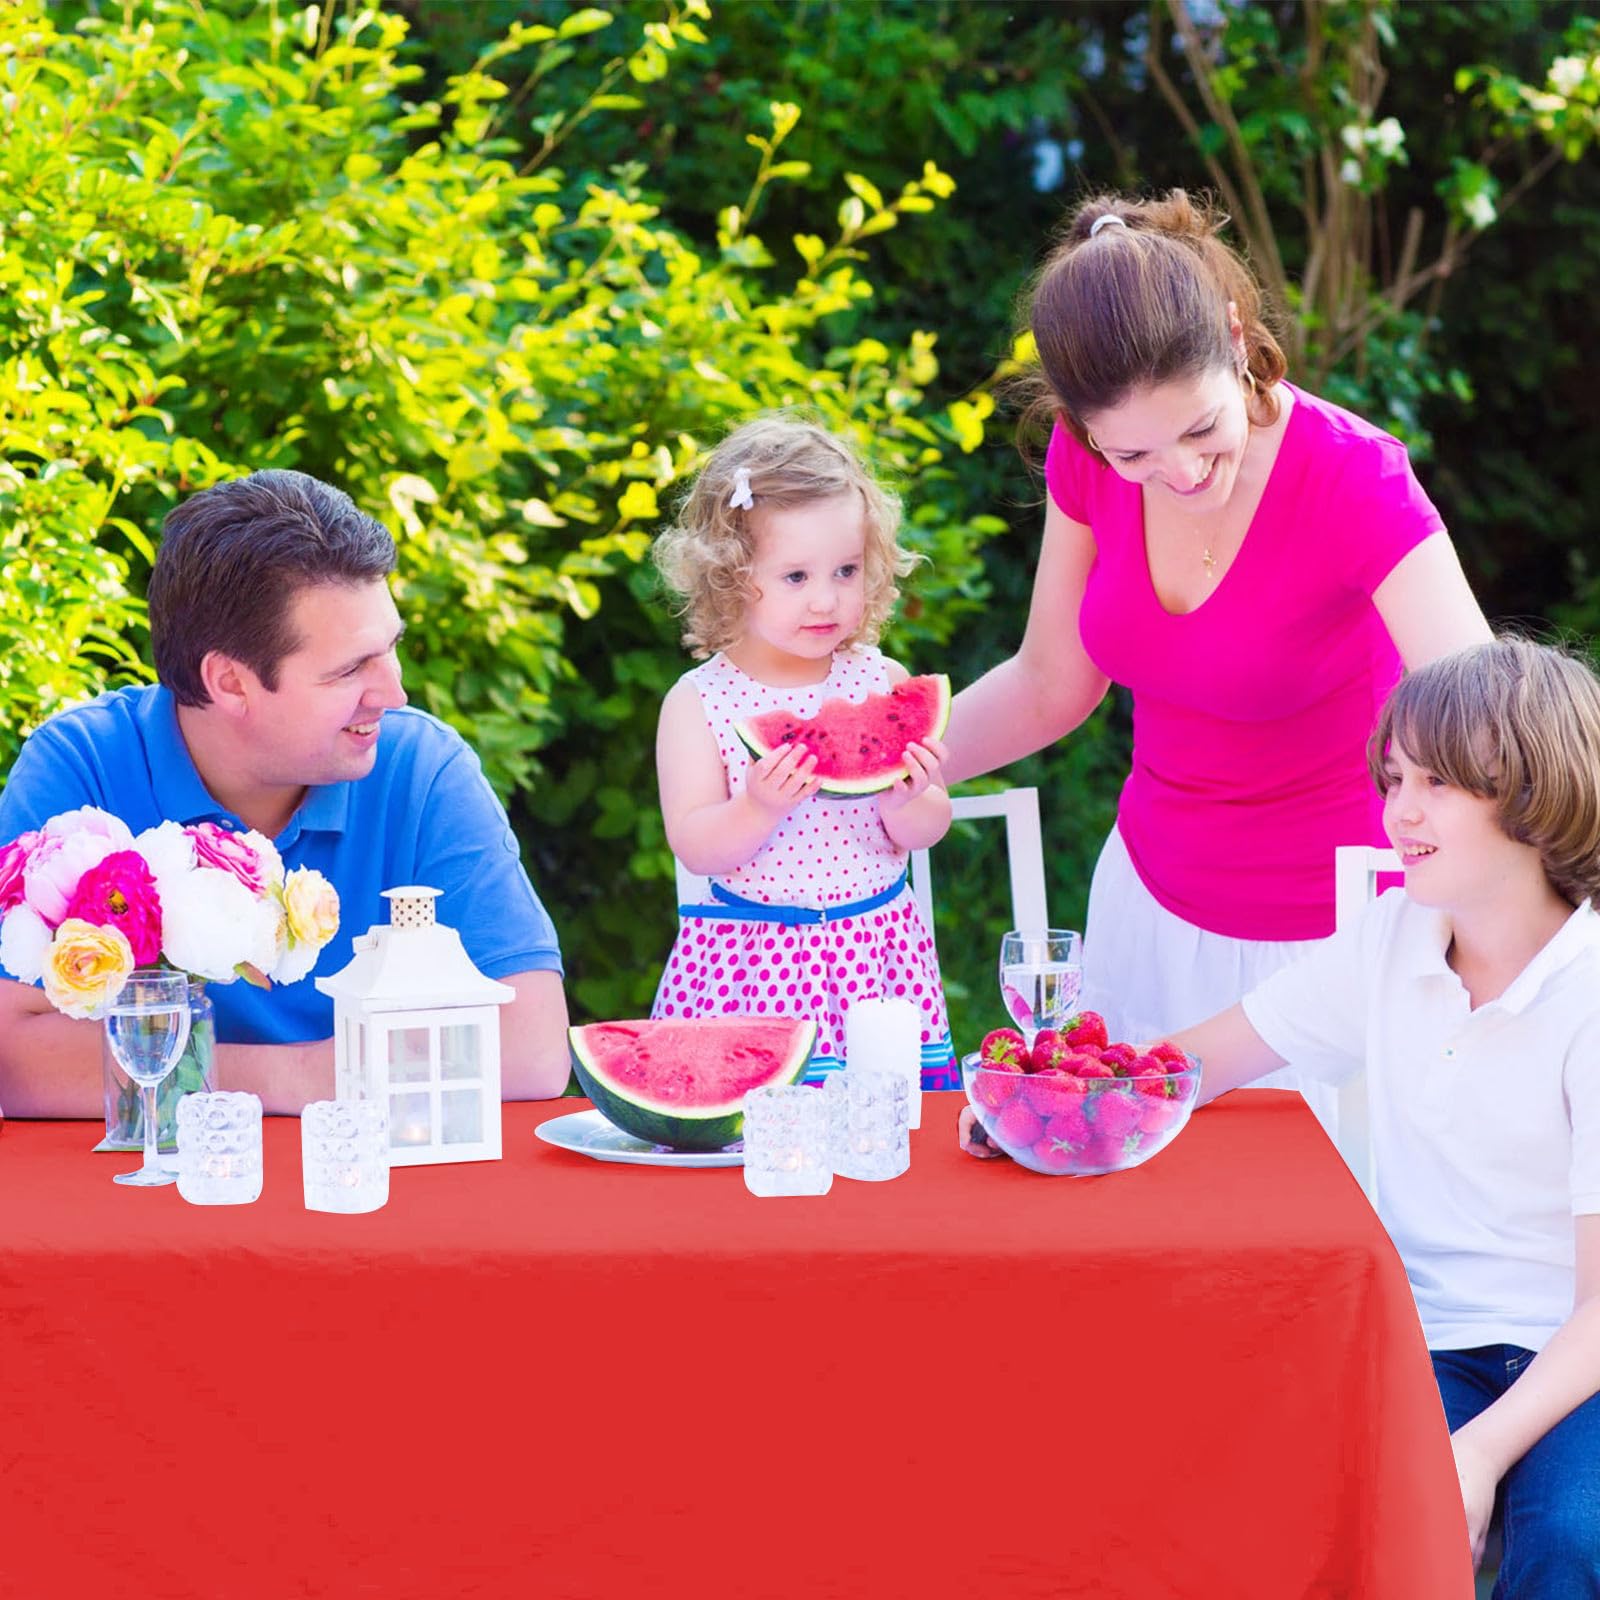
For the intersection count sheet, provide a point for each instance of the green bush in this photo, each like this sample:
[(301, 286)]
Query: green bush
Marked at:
[(242, 244)]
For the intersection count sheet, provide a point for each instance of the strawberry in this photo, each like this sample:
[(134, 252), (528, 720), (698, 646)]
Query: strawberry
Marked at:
[(1048, 1049), (1155, 1116), (1116, 1115), (1169, 1055), (996, 1083), (1119, 1057), (1053, 1089), (1018, 1126), (1091, 1067), (1086, 1031), (1148, 1069), (1052, 1156), (1004, 1047), (1157, 1085), (1070, 1127)]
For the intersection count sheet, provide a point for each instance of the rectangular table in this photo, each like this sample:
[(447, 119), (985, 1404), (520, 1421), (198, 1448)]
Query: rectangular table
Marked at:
[(554, 1378)]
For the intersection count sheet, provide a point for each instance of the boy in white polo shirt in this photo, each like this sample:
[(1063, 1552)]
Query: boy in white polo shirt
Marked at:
[(1473, 999)]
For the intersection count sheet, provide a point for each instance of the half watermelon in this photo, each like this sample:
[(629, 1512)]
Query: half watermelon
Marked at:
[(858, 744), (682, 1082)]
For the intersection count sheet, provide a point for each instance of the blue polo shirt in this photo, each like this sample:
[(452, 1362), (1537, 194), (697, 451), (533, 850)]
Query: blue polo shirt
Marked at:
[(424, 814)]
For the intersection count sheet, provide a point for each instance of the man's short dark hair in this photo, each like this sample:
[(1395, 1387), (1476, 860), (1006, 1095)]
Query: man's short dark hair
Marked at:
[(232, 559)]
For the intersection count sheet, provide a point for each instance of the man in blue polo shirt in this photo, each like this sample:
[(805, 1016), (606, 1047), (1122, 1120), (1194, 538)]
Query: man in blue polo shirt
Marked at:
[(279, 708)]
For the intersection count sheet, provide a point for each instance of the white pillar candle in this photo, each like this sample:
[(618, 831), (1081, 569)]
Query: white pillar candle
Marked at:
[(886, 1036)]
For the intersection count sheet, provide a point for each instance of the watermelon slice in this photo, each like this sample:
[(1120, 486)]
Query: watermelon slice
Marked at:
[(682, 1082), (858, 743)]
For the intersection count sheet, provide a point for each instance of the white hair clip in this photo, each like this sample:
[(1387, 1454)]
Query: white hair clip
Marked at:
[(1109, 220), (741, 499)]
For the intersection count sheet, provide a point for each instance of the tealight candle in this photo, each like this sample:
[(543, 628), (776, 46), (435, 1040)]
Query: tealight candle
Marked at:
[(786, 1141), (219, 1149), (885, 1035), (344, 1151), (868, 1123)]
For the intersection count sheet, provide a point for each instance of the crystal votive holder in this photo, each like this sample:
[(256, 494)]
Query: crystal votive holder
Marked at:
[(869, 1119), (344, 1150), (219, 1148), (786, 1141)]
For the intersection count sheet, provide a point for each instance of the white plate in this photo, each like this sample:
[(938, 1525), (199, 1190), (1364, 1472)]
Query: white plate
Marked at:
[(589, 1134)]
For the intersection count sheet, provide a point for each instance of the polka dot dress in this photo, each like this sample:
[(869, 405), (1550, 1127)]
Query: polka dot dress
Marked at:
[(828, 851)]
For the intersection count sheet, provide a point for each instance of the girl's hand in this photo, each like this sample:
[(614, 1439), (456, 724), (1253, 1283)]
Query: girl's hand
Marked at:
[(972, 1139), (780, 781), (1479, 1480), (923, 764)]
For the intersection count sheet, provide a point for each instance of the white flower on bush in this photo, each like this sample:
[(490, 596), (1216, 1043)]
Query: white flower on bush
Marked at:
[(211, 925), (24, 939), (1387, 138), (1350, 172), (1354, 137), (1478, 209), (1567, 74)]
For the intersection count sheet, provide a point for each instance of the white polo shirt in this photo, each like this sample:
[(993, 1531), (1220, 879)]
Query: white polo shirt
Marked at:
[(1485, 1124)]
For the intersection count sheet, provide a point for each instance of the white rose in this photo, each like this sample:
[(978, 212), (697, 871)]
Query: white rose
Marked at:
[(24, 939), (168, 850), (211, 924)]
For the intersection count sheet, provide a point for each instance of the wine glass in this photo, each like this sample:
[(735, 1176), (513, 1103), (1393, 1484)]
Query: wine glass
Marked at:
[(1041, 974), (147, 1027)]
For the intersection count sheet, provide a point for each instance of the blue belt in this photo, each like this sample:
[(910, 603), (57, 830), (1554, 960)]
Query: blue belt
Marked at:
[(731, 907)]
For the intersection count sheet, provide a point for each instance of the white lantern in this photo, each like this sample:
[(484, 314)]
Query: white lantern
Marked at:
[(417, 1027)]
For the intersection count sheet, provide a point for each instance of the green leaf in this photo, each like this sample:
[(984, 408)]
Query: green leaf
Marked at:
[(589, 20)]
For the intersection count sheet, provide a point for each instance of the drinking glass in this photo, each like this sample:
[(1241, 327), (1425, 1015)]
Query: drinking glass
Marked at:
[(1041, 975), (147, 1028)]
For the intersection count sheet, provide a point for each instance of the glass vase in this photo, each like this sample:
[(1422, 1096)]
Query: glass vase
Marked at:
[(196, 1069)]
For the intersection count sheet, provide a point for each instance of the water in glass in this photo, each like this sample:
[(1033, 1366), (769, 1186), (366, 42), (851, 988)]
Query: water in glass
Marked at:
[(147, 1028), (1041, 976)]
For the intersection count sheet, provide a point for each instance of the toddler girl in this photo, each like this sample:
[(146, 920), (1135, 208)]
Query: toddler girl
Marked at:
[(785, 558)]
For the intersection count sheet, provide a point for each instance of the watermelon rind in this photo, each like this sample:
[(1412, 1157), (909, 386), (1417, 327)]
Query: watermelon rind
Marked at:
[(702, 1128), (872, 783)]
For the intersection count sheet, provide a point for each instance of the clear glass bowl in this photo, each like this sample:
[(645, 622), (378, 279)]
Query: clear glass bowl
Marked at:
[(1079, 1127)]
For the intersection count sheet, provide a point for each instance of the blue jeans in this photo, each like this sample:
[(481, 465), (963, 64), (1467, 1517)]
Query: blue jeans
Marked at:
[(1549, 1502)]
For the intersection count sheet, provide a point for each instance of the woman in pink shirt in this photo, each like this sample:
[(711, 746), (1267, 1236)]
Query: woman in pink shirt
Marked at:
[(1255, 564)]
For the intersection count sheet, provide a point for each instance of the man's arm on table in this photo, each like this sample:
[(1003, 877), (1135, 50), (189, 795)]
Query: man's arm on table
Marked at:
[(50, 1064), (534, 1058)]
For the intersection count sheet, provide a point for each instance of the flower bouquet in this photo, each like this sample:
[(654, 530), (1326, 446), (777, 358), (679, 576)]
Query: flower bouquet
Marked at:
[(83, 903)]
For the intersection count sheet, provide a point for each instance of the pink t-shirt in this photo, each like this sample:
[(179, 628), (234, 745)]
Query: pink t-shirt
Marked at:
[(1251, 713)]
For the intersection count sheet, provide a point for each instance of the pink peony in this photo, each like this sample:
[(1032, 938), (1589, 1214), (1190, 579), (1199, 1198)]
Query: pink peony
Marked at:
[(121, 893), (55, 866), (227, 852), (13, 860)]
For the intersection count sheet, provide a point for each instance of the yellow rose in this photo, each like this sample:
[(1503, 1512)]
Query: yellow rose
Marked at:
[(86, 967), (311, 905)]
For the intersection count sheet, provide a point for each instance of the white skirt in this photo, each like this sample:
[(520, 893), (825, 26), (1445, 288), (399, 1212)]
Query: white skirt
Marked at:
[(1150, 973)]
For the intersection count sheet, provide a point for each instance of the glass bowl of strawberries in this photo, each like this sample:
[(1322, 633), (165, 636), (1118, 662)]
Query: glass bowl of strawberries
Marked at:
[(1074, 1102)]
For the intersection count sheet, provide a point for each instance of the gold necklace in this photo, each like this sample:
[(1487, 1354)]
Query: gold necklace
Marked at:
[(1208, 560)]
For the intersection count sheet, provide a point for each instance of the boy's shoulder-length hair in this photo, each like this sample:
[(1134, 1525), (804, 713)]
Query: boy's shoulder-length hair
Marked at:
[(1517, 722)]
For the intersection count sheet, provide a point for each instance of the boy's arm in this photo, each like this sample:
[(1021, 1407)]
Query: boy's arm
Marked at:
[(1558, 1380), (1230, 1052)]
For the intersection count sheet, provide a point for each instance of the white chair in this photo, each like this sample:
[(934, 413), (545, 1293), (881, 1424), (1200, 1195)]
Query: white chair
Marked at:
[(1019, 808), (1024, 854), (1356, 868)]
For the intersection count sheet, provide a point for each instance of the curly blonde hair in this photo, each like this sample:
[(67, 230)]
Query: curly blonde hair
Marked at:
[(705, 558), (1518, 723)]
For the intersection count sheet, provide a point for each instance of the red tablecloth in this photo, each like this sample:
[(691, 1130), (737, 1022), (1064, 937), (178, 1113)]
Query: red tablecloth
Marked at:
[(555, 1378)]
